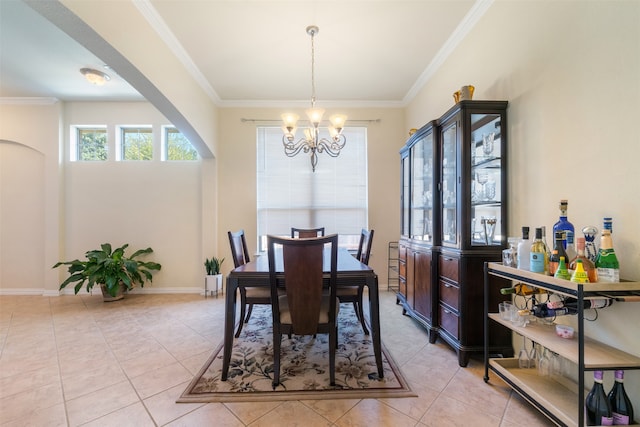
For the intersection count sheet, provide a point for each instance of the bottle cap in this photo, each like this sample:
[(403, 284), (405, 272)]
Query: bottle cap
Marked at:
[(597, 375)]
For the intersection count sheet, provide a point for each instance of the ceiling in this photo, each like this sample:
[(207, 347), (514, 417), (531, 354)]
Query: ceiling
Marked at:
[(369, 52)]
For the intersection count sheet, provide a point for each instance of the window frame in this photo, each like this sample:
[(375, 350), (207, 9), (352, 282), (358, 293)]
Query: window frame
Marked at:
[(76, 140)]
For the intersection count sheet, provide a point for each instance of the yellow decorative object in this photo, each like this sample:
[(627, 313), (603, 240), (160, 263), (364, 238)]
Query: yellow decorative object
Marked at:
[(456, 96), (466, 92), (412, 131)]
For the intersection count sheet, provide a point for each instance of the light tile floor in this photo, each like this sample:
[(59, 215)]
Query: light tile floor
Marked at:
[(76, 361)]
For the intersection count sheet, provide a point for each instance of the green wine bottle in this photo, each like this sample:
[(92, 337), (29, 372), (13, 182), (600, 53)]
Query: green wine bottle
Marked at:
[(607, 263), (562, 272)]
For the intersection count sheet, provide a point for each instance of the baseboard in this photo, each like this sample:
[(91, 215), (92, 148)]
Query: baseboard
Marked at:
[(146, 290)]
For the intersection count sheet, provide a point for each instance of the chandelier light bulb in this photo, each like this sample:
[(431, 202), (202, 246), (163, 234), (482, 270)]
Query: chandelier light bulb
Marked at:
[(95, 77)]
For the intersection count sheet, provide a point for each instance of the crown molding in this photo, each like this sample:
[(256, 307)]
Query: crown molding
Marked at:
[(28, 100)]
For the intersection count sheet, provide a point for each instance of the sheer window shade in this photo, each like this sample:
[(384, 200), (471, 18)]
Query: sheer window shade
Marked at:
[(291, 195)]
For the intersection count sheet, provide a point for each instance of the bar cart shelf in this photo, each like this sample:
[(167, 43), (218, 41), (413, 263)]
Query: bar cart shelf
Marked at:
[(558, 397)]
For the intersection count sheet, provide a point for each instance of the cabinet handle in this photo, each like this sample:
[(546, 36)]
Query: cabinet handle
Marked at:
[(447, 258), (447, 311), (446, 285)]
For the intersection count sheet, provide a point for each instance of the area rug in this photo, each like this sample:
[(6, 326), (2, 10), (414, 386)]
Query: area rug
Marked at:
[(304, 372)]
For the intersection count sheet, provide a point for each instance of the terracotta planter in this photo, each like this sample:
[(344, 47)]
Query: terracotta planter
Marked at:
[(106, 296)]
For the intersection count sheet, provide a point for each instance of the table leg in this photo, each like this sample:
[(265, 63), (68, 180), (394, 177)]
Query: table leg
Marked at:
[(229, 324), (374, 312)]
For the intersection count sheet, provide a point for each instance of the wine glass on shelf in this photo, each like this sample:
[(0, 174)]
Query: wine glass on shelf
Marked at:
[(524, 362)]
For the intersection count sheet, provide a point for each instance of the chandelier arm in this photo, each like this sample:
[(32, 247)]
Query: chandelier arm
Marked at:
[(292, 148), (333, 146)]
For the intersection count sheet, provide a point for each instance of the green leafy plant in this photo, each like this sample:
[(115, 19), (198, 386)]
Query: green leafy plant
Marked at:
[(213, 265), (109, 267)]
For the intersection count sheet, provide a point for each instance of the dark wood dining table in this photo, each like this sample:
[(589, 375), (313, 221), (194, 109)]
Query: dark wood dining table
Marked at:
[(350, 272)]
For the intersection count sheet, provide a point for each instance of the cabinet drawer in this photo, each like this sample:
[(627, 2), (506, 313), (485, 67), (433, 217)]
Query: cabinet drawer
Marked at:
[(402, 253), (402, 269), (448, 267), (449, 321), (402, 287), (449, 294)]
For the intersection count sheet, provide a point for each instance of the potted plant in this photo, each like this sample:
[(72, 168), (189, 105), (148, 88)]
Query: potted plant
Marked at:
[(213, 279), (112, 270)]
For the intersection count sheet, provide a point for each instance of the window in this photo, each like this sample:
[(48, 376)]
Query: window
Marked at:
[(291, 195), (176, 146), (90, 144), (136, 143)]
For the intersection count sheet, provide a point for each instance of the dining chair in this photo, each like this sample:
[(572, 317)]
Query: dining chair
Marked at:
[(354, 294), (248, 295), (306, 307), (305, 233)]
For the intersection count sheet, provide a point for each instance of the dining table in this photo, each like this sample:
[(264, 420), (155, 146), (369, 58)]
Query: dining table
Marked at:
[(350, 272)]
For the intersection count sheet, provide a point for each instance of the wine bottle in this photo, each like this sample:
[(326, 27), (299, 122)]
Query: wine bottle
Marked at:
[(547, 248), (598, 408), (571, 304), (607, 262), (522, 290), (558, 252), (579, 275), (562, 272), (621, 407), (543, 310), (538, 258), (587, 264), (524, 249), (563, 223)]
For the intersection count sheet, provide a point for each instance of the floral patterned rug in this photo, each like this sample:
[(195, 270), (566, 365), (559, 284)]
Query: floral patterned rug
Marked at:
[(304, 372)]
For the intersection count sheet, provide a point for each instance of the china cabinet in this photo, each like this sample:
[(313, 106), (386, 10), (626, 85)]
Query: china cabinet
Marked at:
[(454, 218), (557, 396)]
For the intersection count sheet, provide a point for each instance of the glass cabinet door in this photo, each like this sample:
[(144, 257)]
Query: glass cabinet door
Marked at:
[(404, 203), (486, 178), (448, 189), (421, 189)]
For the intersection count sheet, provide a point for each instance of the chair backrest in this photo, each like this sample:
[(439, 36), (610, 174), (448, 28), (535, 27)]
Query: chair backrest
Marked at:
[(305, 233), (364, 248), (302, 264), (239, 250)]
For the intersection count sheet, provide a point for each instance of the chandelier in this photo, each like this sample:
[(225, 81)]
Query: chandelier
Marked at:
[(312, 142)]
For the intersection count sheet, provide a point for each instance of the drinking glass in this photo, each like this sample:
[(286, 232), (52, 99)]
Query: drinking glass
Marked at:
[(544, 364), (487, 143), (482, 178), (490, 190), (524, 362), (489, 225)]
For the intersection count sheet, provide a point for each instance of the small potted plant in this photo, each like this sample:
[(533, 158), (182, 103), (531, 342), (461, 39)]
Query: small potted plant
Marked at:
[(213, 279), (112, 270)]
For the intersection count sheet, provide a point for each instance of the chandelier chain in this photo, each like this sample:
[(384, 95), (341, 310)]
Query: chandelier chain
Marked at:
[(313, 74)]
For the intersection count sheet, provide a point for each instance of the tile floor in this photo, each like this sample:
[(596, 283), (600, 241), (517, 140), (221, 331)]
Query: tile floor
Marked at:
[(76, 361)]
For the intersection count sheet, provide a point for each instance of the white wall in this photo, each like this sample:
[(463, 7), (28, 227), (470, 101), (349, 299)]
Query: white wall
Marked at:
[(571, 72), (143, 203), (29, 197)]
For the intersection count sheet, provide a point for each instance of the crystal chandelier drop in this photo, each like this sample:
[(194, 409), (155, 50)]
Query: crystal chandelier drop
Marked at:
[(311, 142)]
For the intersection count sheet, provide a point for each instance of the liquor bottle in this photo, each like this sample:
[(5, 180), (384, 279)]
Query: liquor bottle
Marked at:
[(607, 223), (570, 247), (524, 248), (563, 223), (607, 262), (558, 252), (562, 272), (597, 405), (590, 250), (621, 407), (587, 264), (538, 258), (579, 275)]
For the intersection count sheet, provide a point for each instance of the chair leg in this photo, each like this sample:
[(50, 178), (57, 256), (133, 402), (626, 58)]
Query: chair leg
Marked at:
[(360, 310), (277, 338), (333, 344), (246, 320), (243, 303)]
